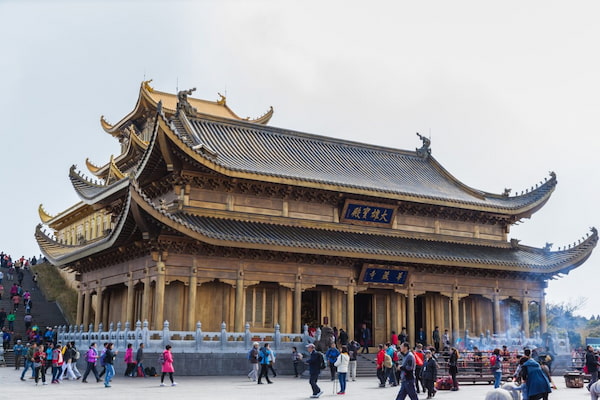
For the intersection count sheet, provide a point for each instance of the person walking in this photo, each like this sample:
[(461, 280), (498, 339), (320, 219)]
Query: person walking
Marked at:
[(353, 348), (29, 360), (109, 361), (139, 359), (255, 365), (264, 358), (314, 368), (167, 366), (91, 357), (38, 361), (129, 360), (453, 367), (496, 367), (296, 359), (341, 364), (591, 362), (429, 374), (18, 351), (365, 337), (407, 374), (332, 354)]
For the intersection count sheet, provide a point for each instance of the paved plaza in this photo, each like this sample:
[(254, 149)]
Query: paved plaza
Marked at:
[(232, 388)]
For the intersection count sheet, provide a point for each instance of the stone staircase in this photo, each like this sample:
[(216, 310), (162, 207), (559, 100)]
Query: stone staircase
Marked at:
[(45, 313)]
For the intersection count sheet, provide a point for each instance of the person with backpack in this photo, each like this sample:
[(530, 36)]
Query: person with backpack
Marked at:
[(91, 357), (253, 359), (264, 359), (407, 374), (315, 364), (167, 366), (388, 364), (496, 367)]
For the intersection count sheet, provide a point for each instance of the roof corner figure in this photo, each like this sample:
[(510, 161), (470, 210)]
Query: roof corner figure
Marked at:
[(182, 101), (424, 151)]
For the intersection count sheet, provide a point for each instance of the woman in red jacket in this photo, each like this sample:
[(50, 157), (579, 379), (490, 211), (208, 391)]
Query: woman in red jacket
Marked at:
[(167, 366)]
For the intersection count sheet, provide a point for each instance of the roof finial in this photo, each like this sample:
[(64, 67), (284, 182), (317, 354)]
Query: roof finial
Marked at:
[(424, 151), (183, 103)]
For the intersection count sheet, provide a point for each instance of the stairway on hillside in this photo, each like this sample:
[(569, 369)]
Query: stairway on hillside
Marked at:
[(45, 313)]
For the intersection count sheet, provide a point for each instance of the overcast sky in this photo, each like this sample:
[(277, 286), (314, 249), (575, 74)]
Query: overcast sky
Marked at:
[(507, 90)]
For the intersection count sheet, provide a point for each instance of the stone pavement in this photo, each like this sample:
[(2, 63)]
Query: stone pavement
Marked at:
[(232, 388)]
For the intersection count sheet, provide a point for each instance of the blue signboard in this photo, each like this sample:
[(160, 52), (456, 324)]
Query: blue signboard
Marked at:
[(384, 275), (368, 213)]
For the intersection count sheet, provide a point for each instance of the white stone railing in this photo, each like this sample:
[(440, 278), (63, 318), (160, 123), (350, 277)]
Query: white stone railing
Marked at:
[(197, 341)]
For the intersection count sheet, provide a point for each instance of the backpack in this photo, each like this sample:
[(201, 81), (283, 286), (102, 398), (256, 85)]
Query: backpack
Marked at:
[(150, 371), (493, 362), (102, 358), (387, 361), (76, 354), (161, 358), (321, 361)]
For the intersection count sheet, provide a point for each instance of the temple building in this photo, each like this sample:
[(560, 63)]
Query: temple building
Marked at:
[(206, 216)]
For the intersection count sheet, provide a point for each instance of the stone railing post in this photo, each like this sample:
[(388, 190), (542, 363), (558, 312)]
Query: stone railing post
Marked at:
[(277, 336), (166, 336), (318, 335), (199, 335), (247, 336), (223, 334), (145, 333), (305, 335), (138, 333)]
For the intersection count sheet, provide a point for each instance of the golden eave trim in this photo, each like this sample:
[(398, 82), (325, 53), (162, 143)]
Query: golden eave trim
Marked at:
[(114, 170), (91, 167), (44, 216)]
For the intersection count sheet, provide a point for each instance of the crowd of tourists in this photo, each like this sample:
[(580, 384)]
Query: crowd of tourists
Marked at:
[(413, 369), (53, 361)]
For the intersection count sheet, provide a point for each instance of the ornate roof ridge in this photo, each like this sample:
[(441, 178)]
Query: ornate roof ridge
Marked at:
[(275, 153), (44, 216)]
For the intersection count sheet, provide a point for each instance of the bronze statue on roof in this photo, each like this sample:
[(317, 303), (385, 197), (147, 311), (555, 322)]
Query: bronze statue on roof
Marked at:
[(424, 151)]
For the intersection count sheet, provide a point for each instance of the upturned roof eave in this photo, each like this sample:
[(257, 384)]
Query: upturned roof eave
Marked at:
[(548, 269), (210, 162)]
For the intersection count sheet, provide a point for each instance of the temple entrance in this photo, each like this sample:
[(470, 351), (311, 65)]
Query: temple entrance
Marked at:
[(363, 314), (311, 309)]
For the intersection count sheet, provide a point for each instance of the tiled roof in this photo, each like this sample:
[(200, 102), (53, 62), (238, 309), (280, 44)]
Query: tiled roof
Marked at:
[(276, 152), (513, 257), (92, 192)]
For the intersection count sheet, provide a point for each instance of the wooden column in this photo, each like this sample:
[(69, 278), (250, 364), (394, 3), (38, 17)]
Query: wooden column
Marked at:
[(543, 320), (455, 317), (86, 308), (130, 301), (159, 306), (98, 316), (192, 291), (497, 315), (238, 319), (282, 309), (297, 325), (146, 297), (350, 311), (80, 300), (412, 334), (525, 309)]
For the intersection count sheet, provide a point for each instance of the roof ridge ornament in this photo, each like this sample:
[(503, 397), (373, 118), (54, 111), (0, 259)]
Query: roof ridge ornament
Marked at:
[(424, 152), (183, 104)]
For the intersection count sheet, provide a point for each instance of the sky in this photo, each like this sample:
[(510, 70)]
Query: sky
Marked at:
[(506, 90)]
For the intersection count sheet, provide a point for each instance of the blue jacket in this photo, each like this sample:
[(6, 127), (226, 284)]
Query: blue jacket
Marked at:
[(332, 354), (536, 380), (265, 354)]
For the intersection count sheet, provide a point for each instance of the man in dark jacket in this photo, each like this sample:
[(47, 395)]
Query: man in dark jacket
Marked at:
[(314, 367), (591, 362), (429, 374), (407, 375)]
